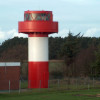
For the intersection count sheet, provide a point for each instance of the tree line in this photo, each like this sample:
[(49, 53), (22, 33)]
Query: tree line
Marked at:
[(81, 54)]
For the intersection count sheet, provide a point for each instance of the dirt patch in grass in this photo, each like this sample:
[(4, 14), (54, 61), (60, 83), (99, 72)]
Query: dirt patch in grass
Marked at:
[(98, 95), (45, 96), (89, 95)]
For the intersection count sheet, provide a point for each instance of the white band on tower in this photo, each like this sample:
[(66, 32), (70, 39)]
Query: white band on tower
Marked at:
[(38, 49)]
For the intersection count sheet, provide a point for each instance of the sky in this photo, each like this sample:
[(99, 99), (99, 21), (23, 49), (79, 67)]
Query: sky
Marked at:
[(73, 15)]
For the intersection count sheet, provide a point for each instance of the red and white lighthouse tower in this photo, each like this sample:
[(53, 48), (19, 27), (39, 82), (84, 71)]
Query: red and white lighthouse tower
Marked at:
[(38, 25)]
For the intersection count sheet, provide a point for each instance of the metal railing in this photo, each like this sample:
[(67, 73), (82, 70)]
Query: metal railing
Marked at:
[(68, 84)]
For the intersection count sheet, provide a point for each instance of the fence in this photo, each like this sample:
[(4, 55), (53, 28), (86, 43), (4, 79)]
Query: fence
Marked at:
[(68, 84)]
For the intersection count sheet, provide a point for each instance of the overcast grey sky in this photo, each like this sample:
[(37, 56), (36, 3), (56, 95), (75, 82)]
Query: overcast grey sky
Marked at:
[(74, 15)]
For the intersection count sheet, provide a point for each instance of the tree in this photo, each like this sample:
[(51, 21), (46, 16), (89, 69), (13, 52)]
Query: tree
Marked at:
[(54, 46), (14, 49), (69, 51), (96, 64), (84, 60)]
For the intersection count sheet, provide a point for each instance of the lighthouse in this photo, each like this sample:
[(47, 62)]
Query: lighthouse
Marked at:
[(38, 25)]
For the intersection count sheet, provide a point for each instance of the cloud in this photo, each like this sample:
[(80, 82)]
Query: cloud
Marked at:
[(1, 35), (92, 32), (10, 34), (14, 33), (62, 33)]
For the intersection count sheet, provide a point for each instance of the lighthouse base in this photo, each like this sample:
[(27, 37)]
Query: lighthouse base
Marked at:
[(38, 75)]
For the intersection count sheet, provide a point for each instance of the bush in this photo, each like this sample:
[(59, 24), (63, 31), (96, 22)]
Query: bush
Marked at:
[(57, 74)]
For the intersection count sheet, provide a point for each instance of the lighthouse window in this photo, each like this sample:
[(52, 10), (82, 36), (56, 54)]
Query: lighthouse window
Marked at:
[(26, 16), (39, 17)]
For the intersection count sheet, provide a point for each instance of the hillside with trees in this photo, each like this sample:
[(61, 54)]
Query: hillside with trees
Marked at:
[(81, 54), (15, 49)]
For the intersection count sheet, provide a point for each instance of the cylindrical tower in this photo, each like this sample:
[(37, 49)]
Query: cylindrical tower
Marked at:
[(38, 25)]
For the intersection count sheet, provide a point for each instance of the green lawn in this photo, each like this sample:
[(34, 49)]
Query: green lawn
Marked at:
[(53, 95)]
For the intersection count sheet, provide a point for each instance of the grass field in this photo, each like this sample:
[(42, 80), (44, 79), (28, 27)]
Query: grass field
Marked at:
[(91, 94)]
